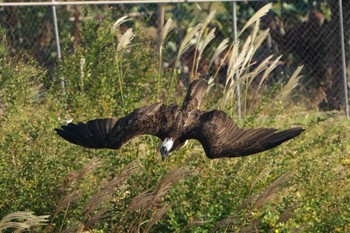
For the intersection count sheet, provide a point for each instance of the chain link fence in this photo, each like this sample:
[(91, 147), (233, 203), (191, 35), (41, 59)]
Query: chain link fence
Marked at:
[(304, 32)]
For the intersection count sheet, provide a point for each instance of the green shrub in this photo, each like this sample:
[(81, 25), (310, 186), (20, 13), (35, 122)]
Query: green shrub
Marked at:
[(301, 185)]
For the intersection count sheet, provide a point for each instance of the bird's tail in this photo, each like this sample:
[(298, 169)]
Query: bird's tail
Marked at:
[(93, 134), (195, 93)]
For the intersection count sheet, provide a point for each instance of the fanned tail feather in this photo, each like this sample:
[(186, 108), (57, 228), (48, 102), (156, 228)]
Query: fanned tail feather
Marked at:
[(195, 93)]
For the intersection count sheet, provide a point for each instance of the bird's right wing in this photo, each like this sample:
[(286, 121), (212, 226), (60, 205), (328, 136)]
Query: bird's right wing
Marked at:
[(154, 119), (221, 137)]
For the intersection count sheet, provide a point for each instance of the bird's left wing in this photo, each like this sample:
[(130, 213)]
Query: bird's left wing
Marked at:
[(154, 119), (221, 137)]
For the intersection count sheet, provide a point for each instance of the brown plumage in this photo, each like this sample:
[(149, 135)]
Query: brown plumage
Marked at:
[(174, 125)]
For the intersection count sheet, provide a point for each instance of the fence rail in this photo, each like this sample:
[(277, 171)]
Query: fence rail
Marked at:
[(58, 3)]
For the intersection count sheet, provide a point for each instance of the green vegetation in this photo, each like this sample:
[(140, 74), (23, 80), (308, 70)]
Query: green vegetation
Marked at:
[(302, 185)]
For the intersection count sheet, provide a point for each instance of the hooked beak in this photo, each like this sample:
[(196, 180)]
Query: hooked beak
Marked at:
[(164, 151)]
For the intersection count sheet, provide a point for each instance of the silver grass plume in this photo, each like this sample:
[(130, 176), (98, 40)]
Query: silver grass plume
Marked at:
[(260, 13), (125, 40), (22, 220)]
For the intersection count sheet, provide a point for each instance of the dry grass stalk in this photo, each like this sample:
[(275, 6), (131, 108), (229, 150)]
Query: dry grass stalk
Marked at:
[(252, 227), (149, 198), (262, 174), (241, 58), (255, 30), (120, 21), (201, 44), (204, 25), (64, 202), (286, 215), (194, 223), (262, 66), (301, 228), (246, 61), (232, 63), (237, 64), (271, 67), (98, 216), (207, 21), (141, 201), (222, 46), (272, 189), (186, 43), (244, 75), (260, 39), (247, 201), (91, 166), (287, 89), (168, 26), (82, 72), (125, 40), (76, 227), (166, 29), (209, 37), (171, 178), (157, 215), (2, 104), (104, 194), (22, 220), (291, 85), (260, 13), (224, 223)]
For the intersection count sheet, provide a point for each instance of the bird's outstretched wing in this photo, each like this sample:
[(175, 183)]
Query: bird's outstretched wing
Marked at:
[(221, 137), (154, 119)]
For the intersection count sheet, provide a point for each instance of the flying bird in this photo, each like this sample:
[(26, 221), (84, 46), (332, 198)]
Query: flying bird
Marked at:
[(174, 125)]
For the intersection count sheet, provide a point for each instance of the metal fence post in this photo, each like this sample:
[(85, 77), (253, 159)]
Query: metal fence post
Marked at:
[(59, 54), (235, 34), (161, 19), (346, 101)]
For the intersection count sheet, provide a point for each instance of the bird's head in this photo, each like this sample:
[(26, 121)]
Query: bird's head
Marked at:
[(166, 147), (170, 144)]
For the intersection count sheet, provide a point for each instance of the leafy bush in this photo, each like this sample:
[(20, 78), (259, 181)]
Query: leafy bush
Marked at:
[(301, 185)]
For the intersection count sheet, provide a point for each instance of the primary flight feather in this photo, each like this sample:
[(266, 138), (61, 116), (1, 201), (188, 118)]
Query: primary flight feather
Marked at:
[(174, 125)]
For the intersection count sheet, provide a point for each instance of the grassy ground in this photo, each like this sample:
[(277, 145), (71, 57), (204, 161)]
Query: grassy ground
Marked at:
[(301, 186)]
